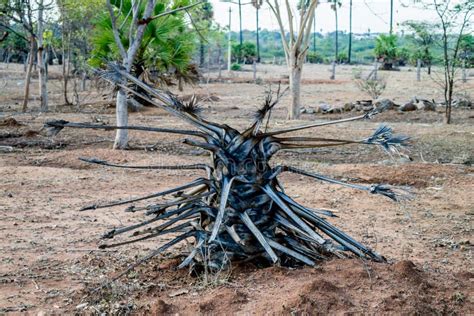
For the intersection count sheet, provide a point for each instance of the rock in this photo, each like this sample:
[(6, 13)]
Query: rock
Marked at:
[(348, 106), (464, 159), (336, 109), (426, 105), (385, 104), (82, 306), (323, 108), (364, 105), (305, 110), (463, 103), (408, 107)]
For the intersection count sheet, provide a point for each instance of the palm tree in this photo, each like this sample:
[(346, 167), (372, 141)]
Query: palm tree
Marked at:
[(334, 5), (165, 51), (257, 4), (350, 33)]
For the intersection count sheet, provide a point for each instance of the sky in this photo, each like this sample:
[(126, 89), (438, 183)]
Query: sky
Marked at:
[(366, 14)]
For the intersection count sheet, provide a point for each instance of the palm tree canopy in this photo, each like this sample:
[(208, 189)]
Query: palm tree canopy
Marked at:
[(167, 44)]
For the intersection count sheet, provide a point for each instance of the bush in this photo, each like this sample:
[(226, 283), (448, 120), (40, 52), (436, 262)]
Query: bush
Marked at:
[(235, 67), (247, 52), (386, 50), (342, 58), (315, 58)]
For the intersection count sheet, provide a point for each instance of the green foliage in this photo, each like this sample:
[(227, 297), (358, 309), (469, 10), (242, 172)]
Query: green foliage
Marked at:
[(404, 56), (235, 67), (386, 47), (246, 52), (315, 58), (466, 47), (423, 40), (342, 58), (166, 47)]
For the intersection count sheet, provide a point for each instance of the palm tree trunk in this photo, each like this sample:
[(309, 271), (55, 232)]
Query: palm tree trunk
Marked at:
[(337, 35), (295, 87), (121, 111), (350, 33)]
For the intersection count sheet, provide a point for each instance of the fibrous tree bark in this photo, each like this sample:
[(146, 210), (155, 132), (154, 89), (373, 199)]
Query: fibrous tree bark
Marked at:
[(295, 45)]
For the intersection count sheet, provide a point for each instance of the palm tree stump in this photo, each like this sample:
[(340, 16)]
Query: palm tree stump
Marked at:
[(238, 210)]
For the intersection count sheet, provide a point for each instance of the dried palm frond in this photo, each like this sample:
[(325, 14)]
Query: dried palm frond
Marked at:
[(238, 210)]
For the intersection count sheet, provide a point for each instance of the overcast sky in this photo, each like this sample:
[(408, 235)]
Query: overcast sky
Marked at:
[(373, 14)]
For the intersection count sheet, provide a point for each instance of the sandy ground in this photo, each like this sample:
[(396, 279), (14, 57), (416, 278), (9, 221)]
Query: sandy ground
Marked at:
[(48, 251)]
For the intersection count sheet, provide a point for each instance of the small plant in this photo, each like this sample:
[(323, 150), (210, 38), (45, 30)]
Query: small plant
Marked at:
[(235, 67), (373, 87)]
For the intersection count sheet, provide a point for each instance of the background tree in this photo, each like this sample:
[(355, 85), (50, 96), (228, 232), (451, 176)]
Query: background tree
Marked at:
[(423, 38), (386, 50), (295, 45), (335, 4), (76, 27), (455, 22), (132, 28), (202, 18), (467, 50), (257, 5), (21, 12), (41, 63), (349, 49), (246, 53)]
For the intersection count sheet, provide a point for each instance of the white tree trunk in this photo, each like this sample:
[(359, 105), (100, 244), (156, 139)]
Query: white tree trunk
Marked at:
[(295, 89), (41, 62), (121, 111)]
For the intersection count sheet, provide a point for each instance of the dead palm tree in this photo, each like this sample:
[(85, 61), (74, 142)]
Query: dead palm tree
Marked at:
[(238, 210)]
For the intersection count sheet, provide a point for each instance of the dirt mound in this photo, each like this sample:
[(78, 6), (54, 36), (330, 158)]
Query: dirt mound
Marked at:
[(10, 122), (334, 287)]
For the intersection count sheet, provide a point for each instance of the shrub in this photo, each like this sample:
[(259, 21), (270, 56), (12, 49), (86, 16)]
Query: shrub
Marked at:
[(235, 67), (373, 87)]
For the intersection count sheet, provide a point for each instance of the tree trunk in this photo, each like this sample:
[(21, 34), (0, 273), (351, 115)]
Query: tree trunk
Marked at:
[(295, 87), (121, 111), (29, 68), (201, 52), (42, 81), (65, 66), (41, 62), (449, 100)]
